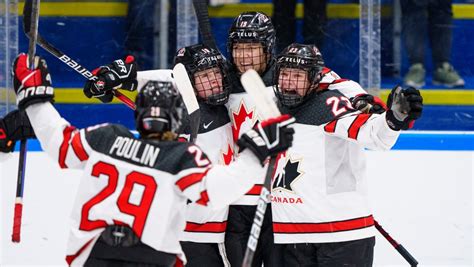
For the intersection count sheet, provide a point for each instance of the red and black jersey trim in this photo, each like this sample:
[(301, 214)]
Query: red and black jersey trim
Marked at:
[(78, 147), (255, 190), (326, 227), (71, 258), (190, 180), (204, 198), (330, 127), (360, 120), (208, 227), (67, 132)]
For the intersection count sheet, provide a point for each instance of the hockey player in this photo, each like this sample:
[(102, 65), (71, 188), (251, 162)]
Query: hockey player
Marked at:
[(250, 45), (130, 205), (203, 238), (320, 208), (14, 127)]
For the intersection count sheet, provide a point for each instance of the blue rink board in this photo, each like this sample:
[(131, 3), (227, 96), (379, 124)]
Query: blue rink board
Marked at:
[(410, 140)]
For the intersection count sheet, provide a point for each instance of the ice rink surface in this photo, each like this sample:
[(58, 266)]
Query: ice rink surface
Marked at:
[(422, 198)]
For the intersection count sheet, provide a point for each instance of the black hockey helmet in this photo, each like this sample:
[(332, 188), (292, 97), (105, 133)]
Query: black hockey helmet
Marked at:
[(200, 57), (252, 27), (159, 109), (303, 57)]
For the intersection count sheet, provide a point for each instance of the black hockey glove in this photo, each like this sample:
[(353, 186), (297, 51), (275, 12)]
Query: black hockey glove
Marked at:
[(13, 127), (31, 86), (269, 137), (121, 74), (405, 106), (366, 103)]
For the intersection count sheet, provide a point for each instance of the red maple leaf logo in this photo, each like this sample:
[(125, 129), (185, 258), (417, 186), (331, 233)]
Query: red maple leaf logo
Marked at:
[(238, 119), (229, 155)]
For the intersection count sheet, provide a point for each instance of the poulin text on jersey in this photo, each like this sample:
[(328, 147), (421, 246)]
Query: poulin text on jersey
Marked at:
[(131, 149)]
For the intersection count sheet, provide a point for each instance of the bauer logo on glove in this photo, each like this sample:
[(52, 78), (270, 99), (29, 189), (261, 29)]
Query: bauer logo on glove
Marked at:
[(31, 86)]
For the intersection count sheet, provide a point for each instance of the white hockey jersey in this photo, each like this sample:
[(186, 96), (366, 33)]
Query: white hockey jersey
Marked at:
[(140, 183), (244, 114), (319, 192), (203, 224)]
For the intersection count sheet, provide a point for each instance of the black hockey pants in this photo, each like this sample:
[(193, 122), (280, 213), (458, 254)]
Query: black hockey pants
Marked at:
[(357, 253)]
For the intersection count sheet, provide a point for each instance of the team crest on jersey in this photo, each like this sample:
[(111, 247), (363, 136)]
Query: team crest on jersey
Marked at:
[(291, 173), (240, 117)]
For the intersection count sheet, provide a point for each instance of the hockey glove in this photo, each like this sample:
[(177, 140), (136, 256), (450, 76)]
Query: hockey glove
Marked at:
[(366, 103), (269, 138), (121, 74), (31, 86), (405, 106), (13, 127)]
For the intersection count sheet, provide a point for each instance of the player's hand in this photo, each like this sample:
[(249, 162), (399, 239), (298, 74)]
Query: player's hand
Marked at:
[(405, 106), (121, 74), (269, 137), (13, 127), (31, 86), (366, 103)]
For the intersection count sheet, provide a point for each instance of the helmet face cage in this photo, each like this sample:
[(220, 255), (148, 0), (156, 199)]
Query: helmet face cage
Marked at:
[(207, 71), (297, 73), (159, 108), (252, 28)]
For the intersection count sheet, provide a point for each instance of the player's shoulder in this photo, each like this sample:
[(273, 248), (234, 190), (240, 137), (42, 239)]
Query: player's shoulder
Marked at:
[(322, 107), (101, 136), (177, 156)]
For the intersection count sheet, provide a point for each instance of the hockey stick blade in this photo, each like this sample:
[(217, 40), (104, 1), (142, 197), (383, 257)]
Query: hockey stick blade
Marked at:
[(266, 108), (202, 15), (186, 90), (255, 87)]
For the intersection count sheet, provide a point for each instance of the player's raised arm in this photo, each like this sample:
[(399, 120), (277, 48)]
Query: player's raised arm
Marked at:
[(222, 185), (35, 94), (376, 131)]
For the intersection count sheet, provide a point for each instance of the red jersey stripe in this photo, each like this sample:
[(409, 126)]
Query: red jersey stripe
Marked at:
[(71, 258), (65, 145), (328, 227), (189, 180), (360, 120), (340, 81), (208, 227), (330, 127), (204, 198), (78, 147), (255, 191)]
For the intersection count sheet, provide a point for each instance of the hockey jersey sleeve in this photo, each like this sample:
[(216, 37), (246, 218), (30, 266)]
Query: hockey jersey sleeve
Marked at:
[(369, 130), (61, 141), (332, 81), (218, 186)]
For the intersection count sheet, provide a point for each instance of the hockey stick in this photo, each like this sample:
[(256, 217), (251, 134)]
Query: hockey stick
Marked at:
[(202, 15), (405, 254), (255, 87), (30, 26), (73, 64), (189, 98)]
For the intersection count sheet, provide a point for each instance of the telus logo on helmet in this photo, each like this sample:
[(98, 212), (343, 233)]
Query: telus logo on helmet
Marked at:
[(208, 60), (73, 64), (246, 34), (292, 60)]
